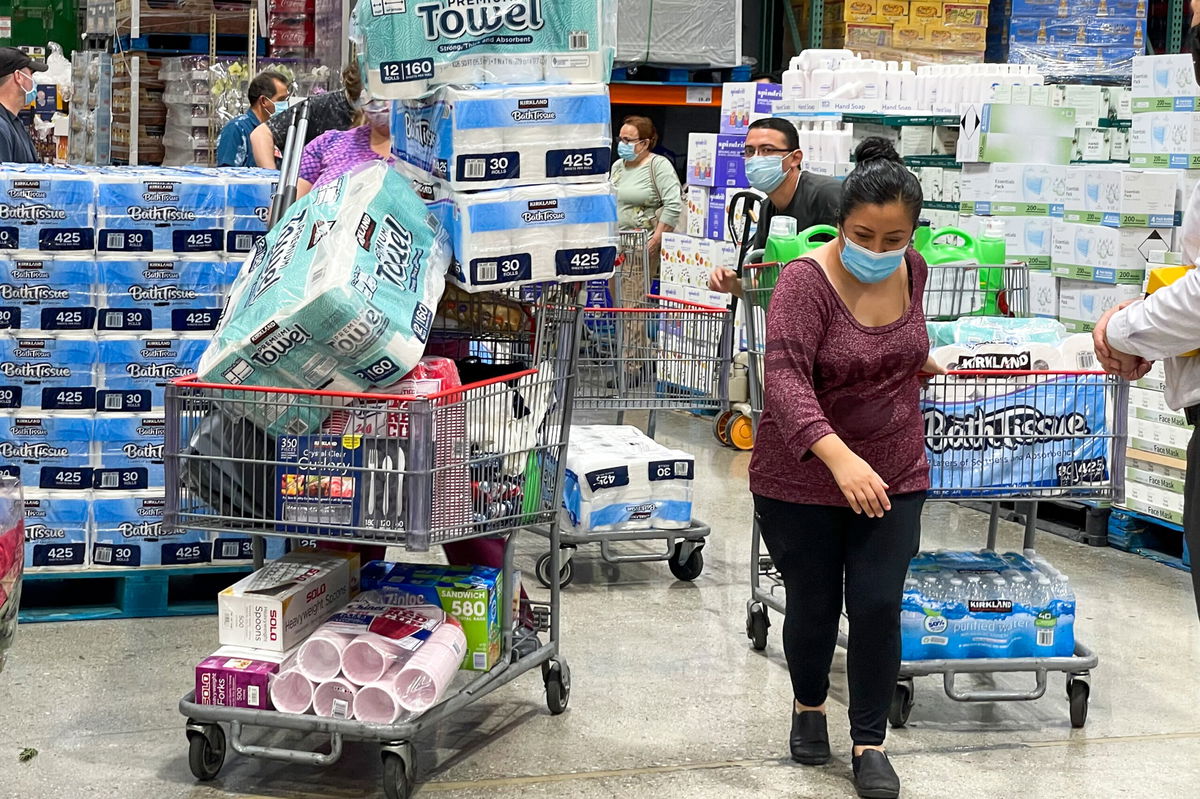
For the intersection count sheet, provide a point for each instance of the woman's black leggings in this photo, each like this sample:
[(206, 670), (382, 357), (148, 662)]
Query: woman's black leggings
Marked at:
[(818, 549)]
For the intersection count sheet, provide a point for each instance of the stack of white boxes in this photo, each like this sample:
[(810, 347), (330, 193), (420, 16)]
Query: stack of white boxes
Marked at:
[(1157, 455), (100, 306)]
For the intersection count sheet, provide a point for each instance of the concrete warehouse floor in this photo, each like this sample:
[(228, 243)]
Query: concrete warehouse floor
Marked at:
[(668, 698)]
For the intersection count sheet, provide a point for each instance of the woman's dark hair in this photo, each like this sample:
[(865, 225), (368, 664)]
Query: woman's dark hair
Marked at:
[(1193, 46), (644, 127), (880, 177), (263, 85), (790, 134)]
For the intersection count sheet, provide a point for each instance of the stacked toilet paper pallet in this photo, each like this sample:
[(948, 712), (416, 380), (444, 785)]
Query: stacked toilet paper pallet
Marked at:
[(1157, 457), (617, 478), (111, 285)]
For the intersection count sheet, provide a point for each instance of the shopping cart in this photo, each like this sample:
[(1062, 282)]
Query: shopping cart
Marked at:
[(652, 354), (954, 451), (412, 475)]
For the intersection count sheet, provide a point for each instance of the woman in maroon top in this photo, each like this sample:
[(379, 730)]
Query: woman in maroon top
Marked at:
[(839, 473)]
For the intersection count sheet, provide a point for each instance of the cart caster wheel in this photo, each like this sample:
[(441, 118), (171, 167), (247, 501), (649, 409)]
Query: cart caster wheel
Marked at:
[(566, 570), (558, 688), (721, 426), (206, 751), (1079, 694), (902, 705), (756, 626), (397, 777), (689, 569), (741, 432)]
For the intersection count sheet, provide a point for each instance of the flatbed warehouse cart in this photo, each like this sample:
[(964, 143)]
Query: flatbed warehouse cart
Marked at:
[(1105, 484), (415, 487), (655, 354)]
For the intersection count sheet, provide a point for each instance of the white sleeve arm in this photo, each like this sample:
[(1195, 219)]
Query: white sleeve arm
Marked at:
[(1164, 325)]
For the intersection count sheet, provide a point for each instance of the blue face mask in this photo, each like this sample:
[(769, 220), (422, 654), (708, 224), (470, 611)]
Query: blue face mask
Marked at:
[(765, 172), (868, 266), (31, 92), (626, 151), (279, 106)]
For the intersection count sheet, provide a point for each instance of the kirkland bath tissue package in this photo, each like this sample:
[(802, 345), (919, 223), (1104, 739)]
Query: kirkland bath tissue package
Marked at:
[(143, 294), (47, 449), (56, 528), (618, 478), (527, 234), (46, 208), (39, 291), (127, 451), (247, 205), (49, 373), (158, 210), (412, 47), (128, 531), (498, 136), (340, 295), (133, 370)]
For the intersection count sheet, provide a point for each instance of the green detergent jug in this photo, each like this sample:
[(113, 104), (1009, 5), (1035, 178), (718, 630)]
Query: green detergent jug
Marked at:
[(946, 295), (784, 245)]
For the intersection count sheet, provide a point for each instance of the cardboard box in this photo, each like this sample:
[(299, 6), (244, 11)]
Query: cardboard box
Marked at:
[(1160, 439), (1043, 294), (1105, 255), (1082, 303), (1017, 134), (858, 11), (1123, 197), (1152, 407), (745, 103), (276, 607), (1163, 77), (907, 36), (1029, 239), (238, 677), (1093, 145), (951, 185), (716, 160), (925, 12), (965, 15), (1165, 139), (1155, 502), (865, 36), (891, 11)]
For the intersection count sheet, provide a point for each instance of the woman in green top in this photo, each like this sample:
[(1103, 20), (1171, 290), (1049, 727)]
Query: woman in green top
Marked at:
[(648, 198)]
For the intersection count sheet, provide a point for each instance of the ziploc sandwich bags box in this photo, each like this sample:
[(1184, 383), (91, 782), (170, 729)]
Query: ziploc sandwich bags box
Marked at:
[(44, 292), (128, 451), (248, 195), (1015, 433), (411, 47), (56, 528), (47, 449), (238, 677), (133, 371), (128, 531), (54, 374), (471, 594), (46, 208), (498, 136), (276, 607), (143, 294), (339, 296), (161, 210)]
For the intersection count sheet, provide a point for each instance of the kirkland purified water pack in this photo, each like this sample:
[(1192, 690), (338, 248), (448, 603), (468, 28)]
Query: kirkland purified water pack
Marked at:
[(985, 605), (340, 296), (497, 136), (413, 46)]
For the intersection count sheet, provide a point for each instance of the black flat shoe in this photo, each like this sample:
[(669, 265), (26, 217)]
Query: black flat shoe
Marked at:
[(810, 738), (874, 777)]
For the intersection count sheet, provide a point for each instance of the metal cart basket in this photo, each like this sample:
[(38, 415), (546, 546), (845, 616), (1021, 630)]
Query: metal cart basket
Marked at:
[(236, 463), (652, 354), (961, 471)]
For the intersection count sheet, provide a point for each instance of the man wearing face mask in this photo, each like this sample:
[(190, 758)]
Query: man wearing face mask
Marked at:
[(773, 159), (335, 110), (18, 88), (268, 95), (336, 152)]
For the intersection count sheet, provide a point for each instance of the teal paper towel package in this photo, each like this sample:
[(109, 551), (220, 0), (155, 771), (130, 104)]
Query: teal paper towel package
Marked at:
[(413, 46), (339, 296)]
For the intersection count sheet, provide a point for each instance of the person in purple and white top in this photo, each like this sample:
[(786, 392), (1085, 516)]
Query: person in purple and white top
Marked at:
[(335, 152), (839, 474)]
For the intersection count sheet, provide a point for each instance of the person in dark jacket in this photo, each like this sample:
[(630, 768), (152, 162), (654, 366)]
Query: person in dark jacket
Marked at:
[(18, 88)]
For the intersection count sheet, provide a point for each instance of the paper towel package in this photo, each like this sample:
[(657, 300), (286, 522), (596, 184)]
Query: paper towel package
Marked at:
[(127, 451), (46, 208), (495, 137), (276, 607), (127, 531), (144, 294), (45, 292), (135, 371), (339, 296), (48, 373), (618, 478), (238, 677), (47, 449), (410, 48), (164, 211), (56, 528), (527, 234)]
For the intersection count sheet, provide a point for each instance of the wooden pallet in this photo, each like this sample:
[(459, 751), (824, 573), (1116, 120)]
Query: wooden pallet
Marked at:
[(145, 592), (1084, 523)]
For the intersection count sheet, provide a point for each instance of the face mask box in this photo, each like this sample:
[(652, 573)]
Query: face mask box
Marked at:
[(1165, 140), (1043, 294), (53, 374), (716, 160), (1105, 255), (1119, 197), (1159, 79), (1029, 240), (56, 529), (745, 103), (1082, 303), (1003, 134), (276, 607)]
